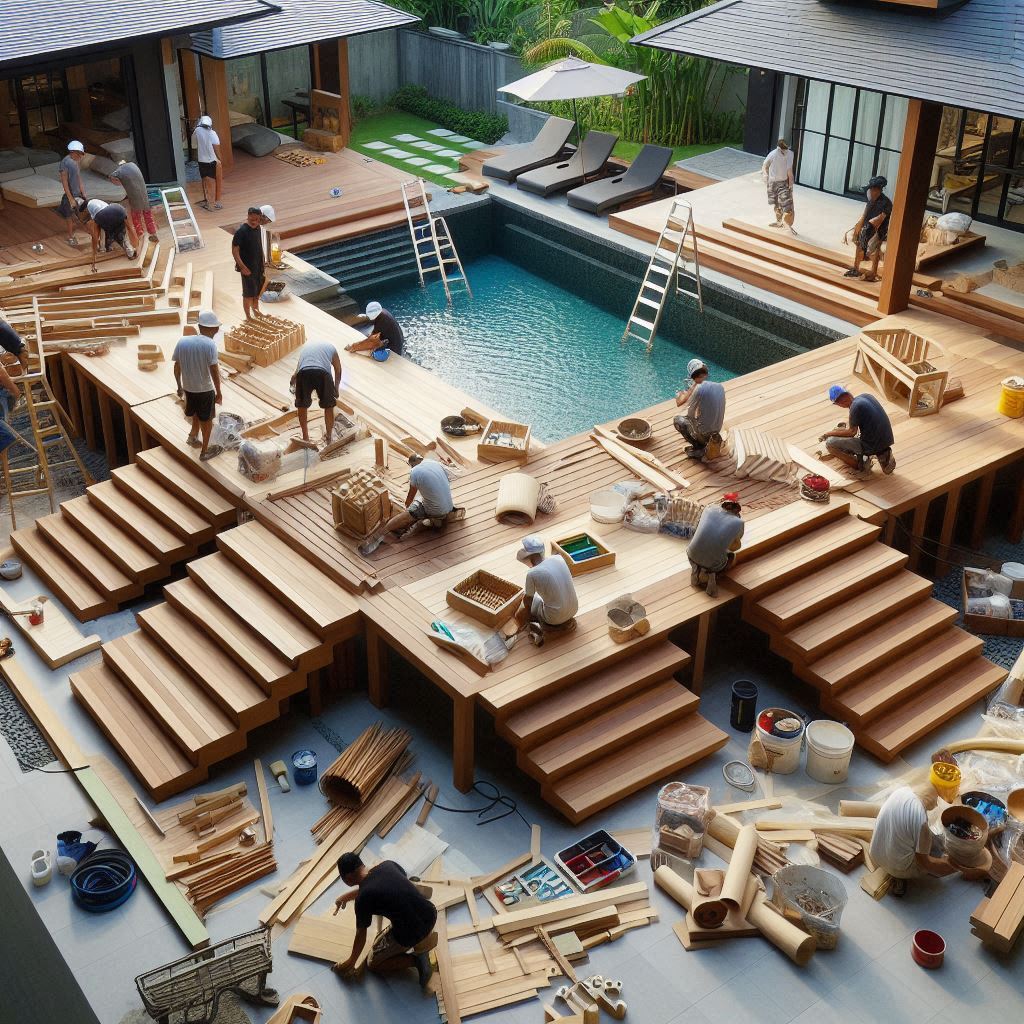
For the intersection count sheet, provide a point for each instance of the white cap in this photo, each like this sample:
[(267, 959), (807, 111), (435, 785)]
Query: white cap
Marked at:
[(76, 147), (206, 121), (532, 545), (207, 318), (94, 206), (694, 365), (268, 212), (373, 310)]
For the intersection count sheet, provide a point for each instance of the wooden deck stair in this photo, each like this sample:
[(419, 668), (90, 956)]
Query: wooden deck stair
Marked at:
[(215, 661), (104, 547), (866, 633)]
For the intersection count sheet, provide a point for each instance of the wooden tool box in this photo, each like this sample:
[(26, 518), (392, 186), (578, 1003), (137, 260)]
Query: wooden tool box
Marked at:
[(361, 502), (265, 340)]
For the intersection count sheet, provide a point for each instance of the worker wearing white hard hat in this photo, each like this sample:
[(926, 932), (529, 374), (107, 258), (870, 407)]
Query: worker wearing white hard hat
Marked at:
[(197, 378), (267, 214), (549, 594), (206, 143), (108, 225), (74, 190), (704, 403), (386, 336)]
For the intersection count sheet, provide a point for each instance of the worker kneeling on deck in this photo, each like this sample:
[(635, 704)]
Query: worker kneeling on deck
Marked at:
[(549, 594), (875, 438), (319, 370), (713, 546), (386, 891), (386, 337), (704, 401)]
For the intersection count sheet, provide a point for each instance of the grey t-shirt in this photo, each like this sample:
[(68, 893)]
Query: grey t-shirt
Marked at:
[(70, 167), (707, 407), (716, 532), (316, 355), (432, 487), (196, 354), (134, 185)]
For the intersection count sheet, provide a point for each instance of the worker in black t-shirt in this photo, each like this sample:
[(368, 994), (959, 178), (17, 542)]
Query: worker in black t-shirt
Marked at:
[(386, 891), (386, 337), (247, 249), (11, 341), (872, 229)]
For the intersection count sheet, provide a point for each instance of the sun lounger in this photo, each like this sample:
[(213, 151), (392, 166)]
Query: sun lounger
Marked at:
[(588, 160), (545, 148), (641, 177)]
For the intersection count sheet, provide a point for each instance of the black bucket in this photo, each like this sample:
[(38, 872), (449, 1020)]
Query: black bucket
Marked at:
[(744, 703)]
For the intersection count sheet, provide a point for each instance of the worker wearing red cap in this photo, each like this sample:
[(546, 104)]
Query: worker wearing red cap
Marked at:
[(713, 546)]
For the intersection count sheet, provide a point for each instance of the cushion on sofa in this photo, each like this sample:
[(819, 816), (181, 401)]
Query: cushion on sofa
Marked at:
[(15, 174), (259, 142), (12, 160), (103, 165), (38, 157), (120, 149)]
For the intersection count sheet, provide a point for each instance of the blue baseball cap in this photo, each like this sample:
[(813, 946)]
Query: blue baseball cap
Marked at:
[(835, 392)]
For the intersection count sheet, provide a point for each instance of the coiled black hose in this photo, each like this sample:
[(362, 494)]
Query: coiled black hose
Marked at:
[(103, 881)]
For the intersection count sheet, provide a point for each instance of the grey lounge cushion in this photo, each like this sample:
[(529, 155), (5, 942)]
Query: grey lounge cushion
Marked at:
[(260, 141), (119, 120), (120, 149), (16, 174), (591, 157), (11, 160), (38, 157), (240, 131), (544, 149), (103, 165), (642, 176)]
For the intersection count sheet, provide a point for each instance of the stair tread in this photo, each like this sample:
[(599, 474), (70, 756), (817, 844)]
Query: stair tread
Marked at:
[(903, 675), (74, 589), (179, 476), (616, 725), (860, 611), (800, 556), (236, 691), (94, 565), (320, 602), (534, 722), (267, 616), (161, 541), (634, 766), (177, 515), (118, 545), (159, 764), (884, 641), (888, 734), (242, 642), (170, 694)]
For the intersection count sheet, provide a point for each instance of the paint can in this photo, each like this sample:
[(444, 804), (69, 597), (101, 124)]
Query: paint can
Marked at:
[(945, 778), (781, 743), (829, 749), (1011, 397), (744, 704), (928, 949), (304, 767)]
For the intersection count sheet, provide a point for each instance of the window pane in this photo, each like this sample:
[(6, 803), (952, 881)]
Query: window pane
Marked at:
[(288, 79), (835, 165), (895, 122), (888, 167), (868, 112), (812, 150), (842, 111), (816, 112), (245, 90), (862, 167)]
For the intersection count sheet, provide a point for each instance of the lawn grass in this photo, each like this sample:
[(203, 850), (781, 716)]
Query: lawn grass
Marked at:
[(382, 127), (629, 150)]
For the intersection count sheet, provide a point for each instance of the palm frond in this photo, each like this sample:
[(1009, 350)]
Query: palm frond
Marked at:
[(548, 50)]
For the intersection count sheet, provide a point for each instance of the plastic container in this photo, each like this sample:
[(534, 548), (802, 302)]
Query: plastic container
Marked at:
[(1011, 399), (595, 861), (742, 714), (1015, 803), (945, 778), (829, 749), (681, 818), (991, 809), (304, 767), (607, 506), (928, 949), (796, 885), (783, 750), (1013, 571), (964, 849)]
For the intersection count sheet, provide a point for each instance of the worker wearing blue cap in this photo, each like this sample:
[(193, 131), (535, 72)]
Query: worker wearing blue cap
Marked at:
[(867, 435), (871, 231)]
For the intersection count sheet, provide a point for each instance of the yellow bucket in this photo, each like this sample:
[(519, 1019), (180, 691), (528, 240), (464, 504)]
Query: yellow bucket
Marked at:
[(945, 778), (1011, 398)]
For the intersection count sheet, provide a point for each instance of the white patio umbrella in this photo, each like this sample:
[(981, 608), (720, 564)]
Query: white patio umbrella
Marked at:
[(572, 79)]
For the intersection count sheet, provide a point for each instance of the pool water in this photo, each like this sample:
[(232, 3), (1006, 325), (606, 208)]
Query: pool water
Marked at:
[(536, 352)]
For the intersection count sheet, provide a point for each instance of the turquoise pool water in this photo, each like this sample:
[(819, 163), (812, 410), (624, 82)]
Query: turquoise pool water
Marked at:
[(537, 352)]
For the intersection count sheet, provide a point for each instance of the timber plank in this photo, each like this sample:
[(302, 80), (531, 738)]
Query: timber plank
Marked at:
[(163, 504), (149, 531), (91, 562), (119, 546), (189, 485)]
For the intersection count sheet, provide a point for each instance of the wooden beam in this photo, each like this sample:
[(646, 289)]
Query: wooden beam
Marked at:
[(700, 653), (376, 666), (917, 158), (265, 810), (948, 522), (981, 508), (463, 737), (215, 86), (345, 125)]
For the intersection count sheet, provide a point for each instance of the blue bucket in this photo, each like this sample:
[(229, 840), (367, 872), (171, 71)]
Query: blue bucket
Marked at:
[(381, 354), (304, 767)]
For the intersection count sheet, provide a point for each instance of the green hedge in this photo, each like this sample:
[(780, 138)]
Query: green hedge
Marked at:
[(475, 124)]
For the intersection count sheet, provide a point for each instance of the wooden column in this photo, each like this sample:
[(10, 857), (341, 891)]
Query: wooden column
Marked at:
[(345, 127), (920, 138), (78, 95), (700, 652), (981, 507), (88, 413), (948, 526), (463, 742), (191, 85), (215, 82), (376, 667), (917, 528)]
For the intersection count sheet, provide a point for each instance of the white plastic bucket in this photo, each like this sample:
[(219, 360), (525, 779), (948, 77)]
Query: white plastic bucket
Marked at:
[(783, 751), (829, 749), (1014, 570)]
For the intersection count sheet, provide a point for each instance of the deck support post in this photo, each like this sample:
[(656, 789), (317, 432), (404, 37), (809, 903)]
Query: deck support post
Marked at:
[(88, 413), (917, 528), (948, 525), (315, 692), (107, 426), (463, 742), (70, 403), (917, 158), (215, 85), (981, 509), (376, 667), (700, 653), (889, 530)]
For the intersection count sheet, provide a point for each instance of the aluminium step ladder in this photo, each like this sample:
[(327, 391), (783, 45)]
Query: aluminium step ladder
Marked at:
[(668, 267), (432, 243), (181, 219)]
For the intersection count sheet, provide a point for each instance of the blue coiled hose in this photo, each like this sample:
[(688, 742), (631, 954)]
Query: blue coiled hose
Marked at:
[(103, 881)]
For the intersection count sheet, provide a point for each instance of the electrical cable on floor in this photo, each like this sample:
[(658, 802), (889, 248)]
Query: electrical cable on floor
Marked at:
[(50, 771), (496, 798), (920, 542), (103, 881)]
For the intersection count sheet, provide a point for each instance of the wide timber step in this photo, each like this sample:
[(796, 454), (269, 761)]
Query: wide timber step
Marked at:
[(157, 761), (179, 477), (118, 545), (163, 504), (161, 541), (547, 717), (179, 705), (896, 730), (902, 677), (635, 765), (582, 744), (76, 591), (104, 575)]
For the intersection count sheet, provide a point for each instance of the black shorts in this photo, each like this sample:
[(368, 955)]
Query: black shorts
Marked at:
[(313, 379), (252, 285), (208, 170), (200, 404)]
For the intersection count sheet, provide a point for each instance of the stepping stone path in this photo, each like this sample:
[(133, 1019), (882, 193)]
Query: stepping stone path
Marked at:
[(437, 153)]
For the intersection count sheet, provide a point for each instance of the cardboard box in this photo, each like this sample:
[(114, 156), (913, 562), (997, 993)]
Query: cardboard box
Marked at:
[(986, 623)]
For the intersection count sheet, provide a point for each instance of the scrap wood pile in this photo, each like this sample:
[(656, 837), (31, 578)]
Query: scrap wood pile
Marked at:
[(761, 456), (998, 920)]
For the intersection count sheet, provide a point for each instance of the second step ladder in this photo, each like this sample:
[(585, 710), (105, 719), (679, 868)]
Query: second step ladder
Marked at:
[(432, 243)]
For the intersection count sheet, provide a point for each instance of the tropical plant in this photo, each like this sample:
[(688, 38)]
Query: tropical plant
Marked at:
[(476, 124), (494, 19)]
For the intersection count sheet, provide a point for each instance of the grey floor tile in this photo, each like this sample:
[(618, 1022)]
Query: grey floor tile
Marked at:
[(742, 1001), (652, 996)]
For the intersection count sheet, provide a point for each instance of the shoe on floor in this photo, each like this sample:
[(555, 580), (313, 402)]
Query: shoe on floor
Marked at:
[(73, 242), (852, 273), (218, 206), (889, 465), (898, 887), (154, 238), (193, 442), (71, 850), (211, 453), (775, 224), (42, 868), (205, 205)]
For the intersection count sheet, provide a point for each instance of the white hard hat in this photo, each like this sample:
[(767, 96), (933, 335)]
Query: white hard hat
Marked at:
[(694, 365), (94, 206), (206, 121), (532, 545), (268, 212), (76, 147), (373, 310), (207, 318)]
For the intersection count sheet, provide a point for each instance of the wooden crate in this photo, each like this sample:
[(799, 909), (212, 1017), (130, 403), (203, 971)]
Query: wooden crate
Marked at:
[(487, 598), (360, 503), (516, 450), (898, 363), (266, 340), (601, 560)]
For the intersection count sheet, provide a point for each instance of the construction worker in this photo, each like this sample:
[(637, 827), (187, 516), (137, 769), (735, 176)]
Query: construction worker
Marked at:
[(871, 231), (902, 841), (74, 190), (386, 891), (130, 177), (704, 401), (206, 143), (197, 375), (549, 594), (250, 261), (110, 220), (713, 546), (11, 341), (318, 369), (871, 422), (387, 336)]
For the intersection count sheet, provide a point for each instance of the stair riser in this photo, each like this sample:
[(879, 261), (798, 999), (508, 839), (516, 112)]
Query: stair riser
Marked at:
[(186, 550), (117, 594), (114, 554), (826, 515), (160, 513), (54, 581), (349, 217)]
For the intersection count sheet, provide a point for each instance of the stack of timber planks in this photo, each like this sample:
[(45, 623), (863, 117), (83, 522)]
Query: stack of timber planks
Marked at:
[(998, 920)]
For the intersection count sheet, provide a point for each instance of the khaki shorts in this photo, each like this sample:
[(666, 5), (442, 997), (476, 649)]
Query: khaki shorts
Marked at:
[(385, 948)]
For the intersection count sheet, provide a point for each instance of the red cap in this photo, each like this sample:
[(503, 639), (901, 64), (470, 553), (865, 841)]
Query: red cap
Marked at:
[(731, 496)]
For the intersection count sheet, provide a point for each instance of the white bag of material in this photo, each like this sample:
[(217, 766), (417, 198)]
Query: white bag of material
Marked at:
[(227, 430), (996, 607), (956, 223), (259, 460)]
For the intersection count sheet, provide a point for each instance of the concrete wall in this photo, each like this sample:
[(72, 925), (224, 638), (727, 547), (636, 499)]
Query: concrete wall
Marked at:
[(373, 65)]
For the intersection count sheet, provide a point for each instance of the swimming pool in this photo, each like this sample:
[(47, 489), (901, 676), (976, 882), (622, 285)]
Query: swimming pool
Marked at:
[(535, 351)]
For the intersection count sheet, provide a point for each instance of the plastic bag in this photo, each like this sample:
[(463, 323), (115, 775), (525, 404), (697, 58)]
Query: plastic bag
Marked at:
[(227, 430), (637, 517), (986, 583), (259, 460), (955, 222)]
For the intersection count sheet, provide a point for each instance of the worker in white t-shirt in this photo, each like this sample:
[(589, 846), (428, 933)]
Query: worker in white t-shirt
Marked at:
[(549, 594), (206, 143), (777, 171)]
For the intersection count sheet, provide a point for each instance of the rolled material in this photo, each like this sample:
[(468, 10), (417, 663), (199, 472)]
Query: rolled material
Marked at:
[(709, 911), (986, 743), (674, 886), (740, 865), (518, 494), (859, 809), (724, 829), (795, 943)]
